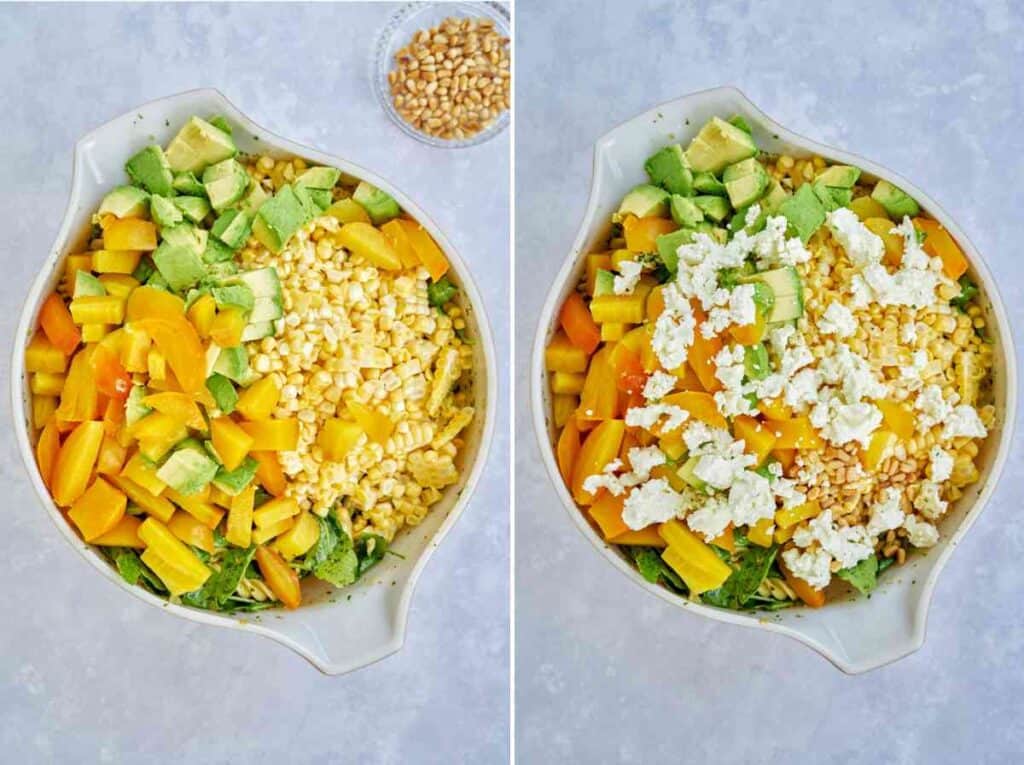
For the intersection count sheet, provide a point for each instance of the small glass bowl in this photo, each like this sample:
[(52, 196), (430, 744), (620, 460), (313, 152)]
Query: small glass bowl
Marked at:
[(399, 31)]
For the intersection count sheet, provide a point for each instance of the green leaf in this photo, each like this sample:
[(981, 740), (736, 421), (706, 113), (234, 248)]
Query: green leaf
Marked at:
[(440, 292), (223, 391), (341, 568), (325, 544), (883, 564), (370, 549), (652, 568), (134, 571), (863, 577), (968, 290), (742, 584), (223, 582)]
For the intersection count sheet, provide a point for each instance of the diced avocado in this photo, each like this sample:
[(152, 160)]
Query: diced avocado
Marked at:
[(379, 205), (164, 211), (685, 211), (319, 178), (188, 184), (686, 473), (236, 295), (669, 244), (774, 197), (669, 169), (186, 235), (266, 309), (221, 123), (258, 331), (764, 299), (87, 285), (644, 201), (718, 145), (134, 409), (187, 471), (220, 270), (233, 363), (263, 282), (144, 270), (322, 198), (278, 219), (895, 200), (194, 208), (707, 183), (223, 392), (756, 361), (157, 280), (843, 197), (745, 182), (804, 212), (604, 283), (715, 208), (197, 145), (730, 277), (216, 252), (788, 291), (233, 482), (739, 220), (310, 209), (125, 202), (232, 227), (254, 199), (225, 183), (181, 267), (737, 120), (841, 176), (194, 294), (824, 195), (150, 170)]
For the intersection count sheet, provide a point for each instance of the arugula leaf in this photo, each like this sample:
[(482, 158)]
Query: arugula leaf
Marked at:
[(742, 584), (221, 585), (370, 548), (968, 290), (440, 292), (863, 576)]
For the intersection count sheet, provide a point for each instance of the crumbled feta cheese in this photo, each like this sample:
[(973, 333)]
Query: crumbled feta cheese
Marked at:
[(643, 459), (772, 248), (711, 518), (913, 375), (802, 389), (719, 471), (659, 385), (750, 498), (853, 374), (652, 502), (862, 246), (730, 370), (648, 416), (929, 501), (886, 514), (837, 320), (933, 408), (673, 329), (913, 255), (841, 423), (848, 544), (606, 479), (941, 464), (753, 212), (909, 286), (629, 275), (700, 438), (963, 422), (920, 533), (813, 566)]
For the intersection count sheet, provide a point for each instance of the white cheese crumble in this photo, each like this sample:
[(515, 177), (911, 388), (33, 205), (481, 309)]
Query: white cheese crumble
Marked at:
[(753, 213), (711, 519), (837, 320), (929, 501), (853, 374), (848, 544), (941, 464), (933, 408), (920, 533), (628, 277), (673, 329), (963, 422), (721, 470), (913, 374), (648, 416), (813, 566), (841, 423), (651, 502), (659, 385), (886, 514), (643, 459), (772, 248), (701, 438), (862, 246)]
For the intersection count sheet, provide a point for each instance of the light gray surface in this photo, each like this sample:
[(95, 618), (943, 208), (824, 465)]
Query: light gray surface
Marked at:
[(88, 674), (606, 673)]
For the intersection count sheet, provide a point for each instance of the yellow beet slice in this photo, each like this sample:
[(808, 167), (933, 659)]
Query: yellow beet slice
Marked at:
[(98, 510)]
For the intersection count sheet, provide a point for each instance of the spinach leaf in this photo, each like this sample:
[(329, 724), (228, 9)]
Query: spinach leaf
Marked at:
[(134, 571), (341, 567), (884, 563), (440, 292), (325, 544), (742, 584), (216, 591), (863, 576), (968, 290), (370, 548), (652, 568)]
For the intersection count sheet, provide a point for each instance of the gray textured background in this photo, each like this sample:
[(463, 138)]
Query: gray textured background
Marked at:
[(609, 674), (87, 673)]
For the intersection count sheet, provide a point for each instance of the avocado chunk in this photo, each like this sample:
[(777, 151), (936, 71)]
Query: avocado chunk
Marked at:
[(254, 199), (841, 176), (186, 235), (774, 197), (685, 211), (197, 145), (233, 363), (379, 205), (165, 212), (756, 362), (604, 283), (181, 267), (645, 201), (737, 120), (187, 471), (258, 331), (715, 208), (895, 200), (266, 309), (232, 228), (278, 219), (221, 123), (804, 212), (707, 183), (216, 253), (842, 197), (669, 169), (225, 183), (223, 391), (826, 196), (125, 202), (194, 208), (322, 198), (87, 285), (319, 178), (134, 409), (787, 291), (150, 170), (233, 482), (310, 209), (745, 182), (739, 220), (236, 295), (263, 282), (718, 145), (669, 244), (686, 473), (188, 184)]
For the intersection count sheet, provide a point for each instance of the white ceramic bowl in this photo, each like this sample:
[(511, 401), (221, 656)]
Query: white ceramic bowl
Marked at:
[(337, 631), (855, 634)]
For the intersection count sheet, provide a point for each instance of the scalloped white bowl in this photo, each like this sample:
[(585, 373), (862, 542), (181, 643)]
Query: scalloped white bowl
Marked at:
[(855, 634), (336, 630)]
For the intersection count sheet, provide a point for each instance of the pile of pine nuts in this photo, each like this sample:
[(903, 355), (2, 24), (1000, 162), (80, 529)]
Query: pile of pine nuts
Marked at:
[(453, 80)]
